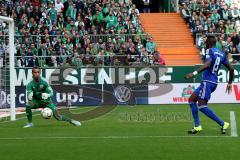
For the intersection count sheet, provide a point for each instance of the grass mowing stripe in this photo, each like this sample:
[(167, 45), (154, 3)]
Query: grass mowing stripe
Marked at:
[(233, 124), (109, 137)]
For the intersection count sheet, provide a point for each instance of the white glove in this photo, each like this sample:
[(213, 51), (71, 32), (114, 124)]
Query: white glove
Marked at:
[(45, 96), (30, 96)]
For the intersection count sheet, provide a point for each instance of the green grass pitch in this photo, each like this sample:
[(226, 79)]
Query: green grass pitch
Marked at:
[(151, 132)]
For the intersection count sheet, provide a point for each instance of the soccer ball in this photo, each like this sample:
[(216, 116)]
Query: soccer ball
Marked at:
[(47, 113)]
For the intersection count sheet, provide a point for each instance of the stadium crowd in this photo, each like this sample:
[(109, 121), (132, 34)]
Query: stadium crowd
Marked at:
[(220, 17), (54, 33)]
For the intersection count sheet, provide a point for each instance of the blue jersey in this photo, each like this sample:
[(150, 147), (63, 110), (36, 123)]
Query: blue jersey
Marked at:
[(217, 58)]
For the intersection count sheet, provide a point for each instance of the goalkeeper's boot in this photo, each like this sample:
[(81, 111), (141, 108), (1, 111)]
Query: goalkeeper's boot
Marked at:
[(75, 123), (28, 125), (225, 127), (195, 130)]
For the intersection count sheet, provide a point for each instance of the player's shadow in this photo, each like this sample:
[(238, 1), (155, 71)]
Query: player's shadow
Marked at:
[(94, 113)]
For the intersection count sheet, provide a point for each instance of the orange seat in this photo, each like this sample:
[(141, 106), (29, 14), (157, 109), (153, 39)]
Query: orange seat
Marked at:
[(173, 38)]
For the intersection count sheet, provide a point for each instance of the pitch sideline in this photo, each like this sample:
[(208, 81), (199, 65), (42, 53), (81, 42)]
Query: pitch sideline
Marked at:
[(233, 124)]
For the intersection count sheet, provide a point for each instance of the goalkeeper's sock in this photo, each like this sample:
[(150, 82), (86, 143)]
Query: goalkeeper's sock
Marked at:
[(72, 121), (208, 112), (60, 117), (29, 114), (64, 118), (194, 109)]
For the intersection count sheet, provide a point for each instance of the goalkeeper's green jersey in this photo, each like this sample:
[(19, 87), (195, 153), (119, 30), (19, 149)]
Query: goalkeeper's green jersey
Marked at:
[(38, 88)]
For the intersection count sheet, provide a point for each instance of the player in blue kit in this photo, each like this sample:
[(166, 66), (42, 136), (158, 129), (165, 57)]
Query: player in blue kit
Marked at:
[(214, 59)]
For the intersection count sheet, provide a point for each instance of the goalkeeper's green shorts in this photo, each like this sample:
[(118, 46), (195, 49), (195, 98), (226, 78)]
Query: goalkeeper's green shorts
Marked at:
[(34, 104)]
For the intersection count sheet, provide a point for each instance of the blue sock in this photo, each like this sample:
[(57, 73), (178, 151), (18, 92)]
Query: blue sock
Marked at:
[(195, 115), (208, 112)]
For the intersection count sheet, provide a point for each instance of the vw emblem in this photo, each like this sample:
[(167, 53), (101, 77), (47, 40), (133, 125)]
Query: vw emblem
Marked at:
[(122, 93)]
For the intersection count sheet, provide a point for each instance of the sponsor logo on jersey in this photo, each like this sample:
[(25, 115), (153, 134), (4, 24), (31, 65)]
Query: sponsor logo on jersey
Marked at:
[(41, 87)]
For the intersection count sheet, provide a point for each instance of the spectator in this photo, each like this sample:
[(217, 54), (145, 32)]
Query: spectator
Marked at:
[(237, 25), (186, 13), (59, 6), (224, 12), (238, 47), (54, 61), (56, 29), (144, 56), (235, 39), (235, 11), (151, 46), (132, 55), (34, 50), (158, 59), (219, 43), (52, 13), (28, 58), (133, 9), (77, 60), (146, 6), (111, 21), (201, 45), (214, 17)]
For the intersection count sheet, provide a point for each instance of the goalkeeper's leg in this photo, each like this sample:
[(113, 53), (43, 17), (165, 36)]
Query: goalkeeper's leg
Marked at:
[(29, 106), (29, 112), (60, 117)]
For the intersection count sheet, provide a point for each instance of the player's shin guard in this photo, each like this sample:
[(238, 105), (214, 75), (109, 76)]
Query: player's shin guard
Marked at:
[(29, 113), (208, 112), (194, 109)]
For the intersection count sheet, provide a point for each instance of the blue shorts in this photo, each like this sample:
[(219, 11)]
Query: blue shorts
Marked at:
[(205, 90)]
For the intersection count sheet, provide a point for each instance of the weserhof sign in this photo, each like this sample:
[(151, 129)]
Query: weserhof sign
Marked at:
[(99, 75)]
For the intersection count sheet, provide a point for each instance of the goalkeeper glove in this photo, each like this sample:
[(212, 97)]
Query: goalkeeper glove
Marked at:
[(45, 96), (30, 96)]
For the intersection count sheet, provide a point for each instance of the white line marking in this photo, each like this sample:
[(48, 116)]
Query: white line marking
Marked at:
[(232, 121), (108, 137), (233, 124), (19, 118)]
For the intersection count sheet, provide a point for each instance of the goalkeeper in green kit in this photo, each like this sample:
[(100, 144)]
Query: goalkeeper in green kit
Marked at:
[(39, 94)]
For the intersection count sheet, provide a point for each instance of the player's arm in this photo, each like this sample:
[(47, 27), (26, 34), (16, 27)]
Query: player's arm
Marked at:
[(231, 74), (29, 91), (199, 70), (48, 92)]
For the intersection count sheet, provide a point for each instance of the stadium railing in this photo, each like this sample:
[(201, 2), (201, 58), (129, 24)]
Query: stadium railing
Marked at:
[(94, 38), (86, 60)]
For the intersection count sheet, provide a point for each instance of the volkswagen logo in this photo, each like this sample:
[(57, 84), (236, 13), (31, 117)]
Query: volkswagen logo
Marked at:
[(122, 93)]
